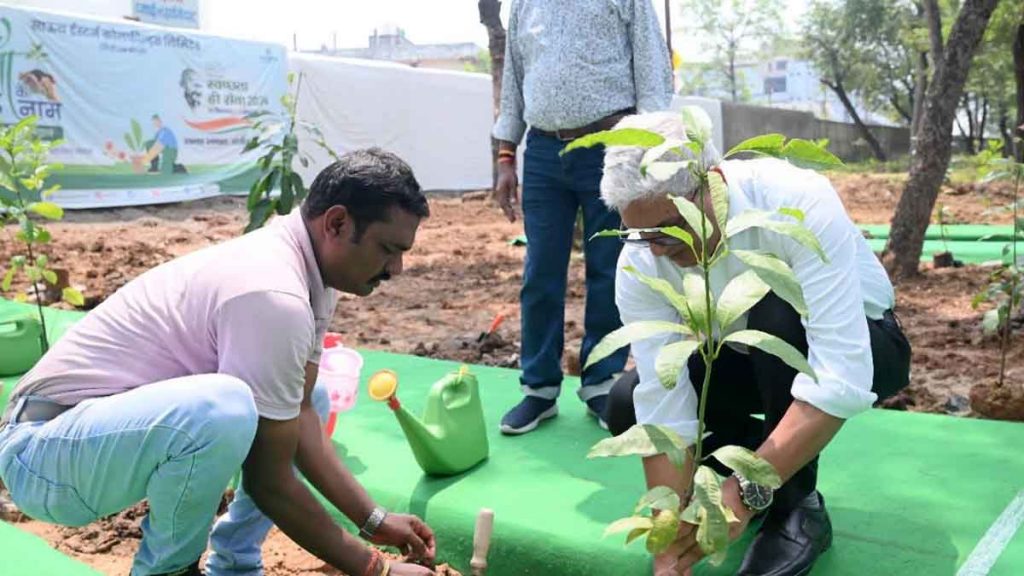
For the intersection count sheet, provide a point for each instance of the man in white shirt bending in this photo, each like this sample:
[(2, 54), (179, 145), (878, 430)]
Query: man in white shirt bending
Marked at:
[(851, 338)]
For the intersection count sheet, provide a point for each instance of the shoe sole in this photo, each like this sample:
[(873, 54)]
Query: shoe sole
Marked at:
[(545, 415), (600, 421)]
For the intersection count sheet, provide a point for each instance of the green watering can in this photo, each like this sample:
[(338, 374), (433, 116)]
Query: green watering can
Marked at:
[(20, 344), (451, 437)]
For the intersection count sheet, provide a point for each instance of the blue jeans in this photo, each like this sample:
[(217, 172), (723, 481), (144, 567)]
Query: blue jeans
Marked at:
[(176, 443), (237, 537), (554, 189)]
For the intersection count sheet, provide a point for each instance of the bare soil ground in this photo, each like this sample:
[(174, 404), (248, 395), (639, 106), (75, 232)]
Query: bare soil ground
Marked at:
[(463, 272)]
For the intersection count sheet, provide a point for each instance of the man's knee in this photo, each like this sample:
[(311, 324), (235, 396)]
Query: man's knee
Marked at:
[(619, 412), (222, 409)]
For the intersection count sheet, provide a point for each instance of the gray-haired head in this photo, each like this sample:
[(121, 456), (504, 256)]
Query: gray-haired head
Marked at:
[(623, 183)]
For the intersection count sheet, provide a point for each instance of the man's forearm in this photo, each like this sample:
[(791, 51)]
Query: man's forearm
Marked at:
[(801, 435), (660, 471), (319, 463), (297, 513)]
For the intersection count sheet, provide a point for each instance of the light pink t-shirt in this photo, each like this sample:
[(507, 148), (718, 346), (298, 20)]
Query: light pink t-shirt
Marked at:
[(254, 307)]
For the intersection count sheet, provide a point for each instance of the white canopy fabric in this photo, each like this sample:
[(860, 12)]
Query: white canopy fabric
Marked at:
[(438, 121)]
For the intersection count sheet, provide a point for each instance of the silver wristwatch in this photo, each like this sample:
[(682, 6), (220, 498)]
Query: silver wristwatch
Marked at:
[(372, 523), (756, 497)]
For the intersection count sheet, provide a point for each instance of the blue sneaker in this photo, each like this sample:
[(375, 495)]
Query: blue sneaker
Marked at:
[(528, 414)]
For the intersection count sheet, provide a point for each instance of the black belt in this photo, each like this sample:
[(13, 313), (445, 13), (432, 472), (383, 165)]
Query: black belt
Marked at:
[(606, 123)]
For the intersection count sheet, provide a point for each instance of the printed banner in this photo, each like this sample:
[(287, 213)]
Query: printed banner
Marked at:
[(147, 114)]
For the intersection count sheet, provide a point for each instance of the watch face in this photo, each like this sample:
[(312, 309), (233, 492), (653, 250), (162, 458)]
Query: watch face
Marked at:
[(756, 496)]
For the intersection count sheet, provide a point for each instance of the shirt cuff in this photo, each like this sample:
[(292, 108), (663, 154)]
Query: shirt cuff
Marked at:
[(832, 396), (509, 129)]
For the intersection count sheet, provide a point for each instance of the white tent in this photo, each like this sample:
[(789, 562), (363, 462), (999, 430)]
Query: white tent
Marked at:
[(438, 121)]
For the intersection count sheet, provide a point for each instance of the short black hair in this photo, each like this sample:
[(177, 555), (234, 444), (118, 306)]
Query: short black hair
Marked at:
[(368, 182)]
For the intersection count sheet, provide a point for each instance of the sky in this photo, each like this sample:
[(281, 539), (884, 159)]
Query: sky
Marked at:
[(318, 22)]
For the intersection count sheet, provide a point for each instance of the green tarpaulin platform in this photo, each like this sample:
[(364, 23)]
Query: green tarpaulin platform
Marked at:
[(24, 554), (912, 494)]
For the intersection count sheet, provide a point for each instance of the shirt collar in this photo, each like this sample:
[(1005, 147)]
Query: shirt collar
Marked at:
[(295, 229)]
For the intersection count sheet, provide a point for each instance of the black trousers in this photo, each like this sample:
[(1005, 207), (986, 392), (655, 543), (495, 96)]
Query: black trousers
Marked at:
[(758, 383)]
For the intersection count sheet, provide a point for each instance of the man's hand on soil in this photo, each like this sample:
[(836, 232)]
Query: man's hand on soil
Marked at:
[(410, 535)]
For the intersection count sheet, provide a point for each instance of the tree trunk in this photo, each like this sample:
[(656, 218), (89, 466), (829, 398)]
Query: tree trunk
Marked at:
[(928, 167), (490, 17), (1009, 148), (981, 123), (844, 98), (934, 19), (1018, 72), (920, 88), (732, 73), (969, 135)]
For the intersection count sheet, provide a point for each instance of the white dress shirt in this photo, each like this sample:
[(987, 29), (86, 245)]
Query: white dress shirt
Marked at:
[(840, 295)]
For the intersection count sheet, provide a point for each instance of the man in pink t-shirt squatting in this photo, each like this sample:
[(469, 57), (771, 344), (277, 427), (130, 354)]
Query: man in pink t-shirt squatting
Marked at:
[(208, 364)]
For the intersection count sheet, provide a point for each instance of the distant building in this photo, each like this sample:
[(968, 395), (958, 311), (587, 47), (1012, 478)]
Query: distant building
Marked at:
[(391, 44), (781, 83)]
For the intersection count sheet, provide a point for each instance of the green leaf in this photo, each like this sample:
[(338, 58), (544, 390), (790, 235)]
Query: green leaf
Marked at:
[(47, 210), (43, 236), (806, 153), (137, 134), (778, 275), (49, 275), (697, 124), (251, 144), (18, 261), (691, 514), (719, 198), (694, 217), (640, 440), (775, 346), (664, 531), (750, 465), (5, 285), (653, 155), (42, 260), (663, 287), (671, 359), (678, 233), (713, 530), (658, 498), (663, 171), (739, 295), (298, 187), (766, 220), (259, 214), (636, 533), (620, 137), (696, 299), (21, 298), (630, 523), (287, 198), (793, 212), (766, 144), (631, 333), (72, 296)]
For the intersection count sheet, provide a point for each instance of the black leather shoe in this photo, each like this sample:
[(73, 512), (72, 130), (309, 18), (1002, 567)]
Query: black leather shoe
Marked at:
[(789, 543)]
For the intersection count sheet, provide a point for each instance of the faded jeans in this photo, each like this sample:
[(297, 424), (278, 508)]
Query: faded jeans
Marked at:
[(176, 443)]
